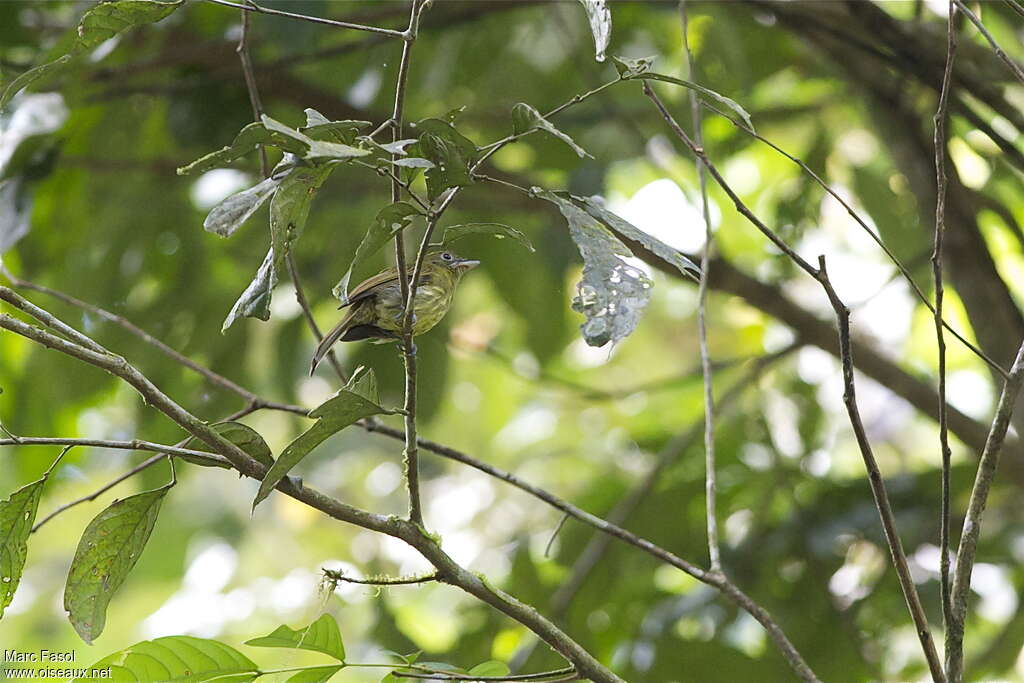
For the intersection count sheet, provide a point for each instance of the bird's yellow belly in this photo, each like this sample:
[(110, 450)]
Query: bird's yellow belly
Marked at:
[(430, 306)]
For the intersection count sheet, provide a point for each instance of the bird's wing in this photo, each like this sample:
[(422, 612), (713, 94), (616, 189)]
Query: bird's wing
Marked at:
[(365, 289)]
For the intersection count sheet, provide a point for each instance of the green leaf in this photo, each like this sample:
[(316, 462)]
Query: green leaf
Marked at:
[(316, 674), (612, 294), (491, 668), (107, 551), (413, 162), (106, 20), (450, 151), (17, 515), (235, 210), (242, 435), (289, 207), (729, 102), (600, 18), (313, 150), (320, 636), (389, 221), (629, 231), (631, 68), (343, 409), (525, 118), (246, 141), (176, 659), (319, 127), (40, 73), (254, 302), (498, 230), (364, 383)]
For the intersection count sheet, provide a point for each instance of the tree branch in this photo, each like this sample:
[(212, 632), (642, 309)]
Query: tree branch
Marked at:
[(251, 6)]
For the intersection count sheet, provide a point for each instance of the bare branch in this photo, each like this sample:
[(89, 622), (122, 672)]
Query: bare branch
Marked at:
[(250, 6), (1014, 66), (250, 85), (339, 577)]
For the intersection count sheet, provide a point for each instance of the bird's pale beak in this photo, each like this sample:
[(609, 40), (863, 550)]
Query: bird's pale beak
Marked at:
[(467, 264)]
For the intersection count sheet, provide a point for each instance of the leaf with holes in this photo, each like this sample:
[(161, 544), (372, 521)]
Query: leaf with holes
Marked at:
[(242, 435), (320, 636), (612, 294), (343, 409), (175, 659), (390, 220), (17, 515), (107, 551), (498, 230), (525, 117)]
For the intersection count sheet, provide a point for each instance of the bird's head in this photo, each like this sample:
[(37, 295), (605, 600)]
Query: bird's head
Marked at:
[(445, 258)]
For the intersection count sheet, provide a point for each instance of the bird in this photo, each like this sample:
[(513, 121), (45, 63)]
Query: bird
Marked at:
[(376, 306)]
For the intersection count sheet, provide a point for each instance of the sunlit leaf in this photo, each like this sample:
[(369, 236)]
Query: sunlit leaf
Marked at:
[(389, 221), (498, 230), (345, 408), (175, 659), (107, 551), (242, 435), (235, 210), (491, 668), (600, 18), (525, 117), (17, 515), (317, 674), (254, 302), (320, 636), (612, 294)]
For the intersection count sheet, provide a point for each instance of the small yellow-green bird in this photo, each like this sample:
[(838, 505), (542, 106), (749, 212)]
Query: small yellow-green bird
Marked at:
[(376, 303)]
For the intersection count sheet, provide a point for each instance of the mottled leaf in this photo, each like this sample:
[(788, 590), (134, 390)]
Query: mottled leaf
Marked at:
[(498, 230), (242, 435), (389, 221), (628, 230), (176, 659), (320, 636), (343, 409), (525, 117), (254, 302), (612, 294), (631, 68), (235, 210), (37, 75), (107, 19), (17, 515), (107, 551), (600, 18)]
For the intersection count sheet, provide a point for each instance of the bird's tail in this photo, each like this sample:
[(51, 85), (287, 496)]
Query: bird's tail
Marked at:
[(336, 333)]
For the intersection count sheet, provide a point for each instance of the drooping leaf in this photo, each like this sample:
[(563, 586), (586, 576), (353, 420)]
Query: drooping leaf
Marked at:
[(525, 117), (316, 674), (343, 409), (498, 230), (389, 221), (600, 18), (107, 19), (176, 659), (17, 515), (15, 212), (450, 151), (491, 668), (38, 74), (29, 131), (612, 294), (628, 230), (242, 435), (235, 210), (254, 302), (290, 204), (320, 636), (107, 551)]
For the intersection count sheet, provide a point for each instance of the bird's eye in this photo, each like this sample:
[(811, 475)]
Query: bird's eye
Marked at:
[(446, 256)]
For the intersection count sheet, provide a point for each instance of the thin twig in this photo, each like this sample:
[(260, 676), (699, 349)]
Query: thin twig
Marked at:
[(1014, 66), (338, 576), (250, 6), (307, 312), (968, 547), (250, 84), (710, 487), (877, 483), (1017, 7), (941, 121)]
